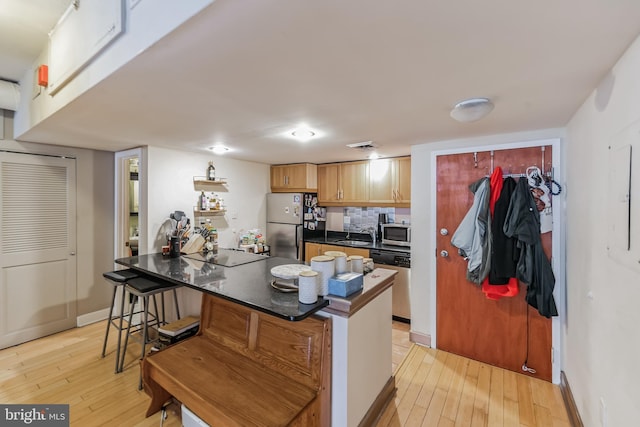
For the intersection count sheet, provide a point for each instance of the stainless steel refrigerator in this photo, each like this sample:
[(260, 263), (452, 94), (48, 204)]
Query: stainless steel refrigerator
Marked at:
[(290, 217)]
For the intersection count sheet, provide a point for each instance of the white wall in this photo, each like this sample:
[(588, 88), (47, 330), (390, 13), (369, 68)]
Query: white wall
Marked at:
[(422, 247), (602, 338), (170, 187), (94, 222)]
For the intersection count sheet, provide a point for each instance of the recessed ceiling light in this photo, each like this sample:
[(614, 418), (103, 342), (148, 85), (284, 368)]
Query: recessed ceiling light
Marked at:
[(219, 149), (303, 133), (471, 110)]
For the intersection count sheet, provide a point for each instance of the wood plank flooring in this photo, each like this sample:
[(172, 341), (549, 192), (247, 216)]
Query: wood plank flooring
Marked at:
[(434, 388)]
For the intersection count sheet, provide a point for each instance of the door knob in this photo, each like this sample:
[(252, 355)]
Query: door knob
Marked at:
[(444, 253), (444, 231), (72, 253)]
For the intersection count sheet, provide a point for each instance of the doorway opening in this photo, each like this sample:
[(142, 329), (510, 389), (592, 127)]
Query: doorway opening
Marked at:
[(129, 239)]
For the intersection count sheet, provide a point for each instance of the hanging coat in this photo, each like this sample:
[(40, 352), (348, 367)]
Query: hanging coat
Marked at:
[(534, 269), (501, 281), (473, 236)]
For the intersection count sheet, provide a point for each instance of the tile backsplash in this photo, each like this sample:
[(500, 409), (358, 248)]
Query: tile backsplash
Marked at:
[(359, 219), (356, 219)]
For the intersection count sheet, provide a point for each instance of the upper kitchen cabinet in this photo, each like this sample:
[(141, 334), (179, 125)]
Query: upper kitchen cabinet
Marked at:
[(390, 181), (301, 177), (343, 184)]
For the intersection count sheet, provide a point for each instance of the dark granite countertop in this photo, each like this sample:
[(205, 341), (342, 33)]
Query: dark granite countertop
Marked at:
[(247, 282), (337, 238)]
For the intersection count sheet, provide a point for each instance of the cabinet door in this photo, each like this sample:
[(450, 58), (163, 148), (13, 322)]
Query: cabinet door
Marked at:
[(302, 177), (354, 179), (278, 177), (356, 251), (311, 250), (328, 190), (403, 180), (381, 181)]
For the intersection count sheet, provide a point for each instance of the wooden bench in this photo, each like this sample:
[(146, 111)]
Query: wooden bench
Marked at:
[(246, 368)]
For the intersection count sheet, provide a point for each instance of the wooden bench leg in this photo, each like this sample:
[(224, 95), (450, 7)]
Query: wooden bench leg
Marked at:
[(159, 396)]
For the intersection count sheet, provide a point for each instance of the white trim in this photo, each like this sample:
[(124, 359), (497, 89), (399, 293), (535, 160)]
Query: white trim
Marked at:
[(89, 318), (558, 242)]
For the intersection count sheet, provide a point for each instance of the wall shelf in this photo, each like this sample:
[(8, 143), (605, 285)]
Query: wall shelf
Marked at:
[(211, 212), (200, 183)]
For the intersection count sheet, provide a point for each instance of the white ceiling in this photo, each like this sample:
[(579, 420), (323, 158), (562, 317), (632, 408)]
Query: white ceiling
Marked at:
[(245, 72)]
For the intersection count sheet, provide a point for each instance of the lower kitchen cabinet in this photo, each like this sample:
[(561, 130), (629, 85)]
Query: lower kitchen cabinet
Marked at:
[(315, 249)]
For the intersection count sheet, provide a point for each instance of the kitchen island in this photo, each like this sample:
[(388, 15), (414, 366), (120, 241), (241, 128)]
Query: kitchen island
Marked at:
[(361, 377)]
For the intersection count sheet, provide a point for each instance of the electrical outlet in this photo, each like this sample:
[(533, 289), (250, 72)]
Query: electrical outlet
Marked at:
[(603, 413)]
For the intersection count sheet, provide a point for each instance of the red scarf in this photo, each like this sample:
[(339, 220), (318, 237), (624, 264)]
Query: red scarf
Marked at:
[(495, 292)]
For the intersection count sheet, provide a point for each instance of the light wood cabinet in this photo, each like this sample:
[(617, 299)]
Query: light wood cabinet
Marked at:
[(384, 182), (343, 183), (311, 250), (301, 177), (315, 249), (403, 180), (390, 181)]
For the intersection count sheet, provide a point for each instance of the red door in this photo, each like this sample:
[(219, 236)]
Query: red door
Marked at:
[(468, 323)]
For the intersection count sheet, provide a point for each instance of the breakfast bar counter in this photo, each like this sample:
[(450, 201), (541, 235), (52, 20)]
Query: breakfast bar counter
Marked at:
[(237, 276)]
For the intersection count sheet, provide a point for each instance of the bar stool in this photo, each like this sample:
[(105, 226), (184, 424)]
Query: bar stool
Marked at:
[(143, 288), (118, 279)]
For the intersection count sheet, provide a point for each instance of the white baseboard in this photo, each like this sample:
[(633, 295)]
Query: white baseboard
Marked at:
[(89, 318), (419, 338)]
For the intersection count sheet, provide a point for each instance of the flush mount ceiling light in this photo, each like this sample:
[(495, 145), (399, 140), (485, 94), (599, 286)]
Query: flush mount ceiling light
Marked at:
[(472, 109), (302, 133), (219, 149)]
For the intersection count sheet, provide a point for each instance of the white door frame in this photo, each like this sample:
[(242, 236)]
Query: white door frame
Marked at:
[(121, 205), (557, 242)]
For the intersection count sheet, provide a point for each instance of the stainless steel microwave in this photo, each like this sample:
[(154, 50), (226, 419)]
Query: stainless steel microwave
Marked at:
[(396, 234)]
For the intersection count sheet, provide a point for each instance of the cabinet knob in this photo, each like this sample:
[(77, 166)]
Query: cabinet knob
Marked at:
[(444, 231), (444, 253)]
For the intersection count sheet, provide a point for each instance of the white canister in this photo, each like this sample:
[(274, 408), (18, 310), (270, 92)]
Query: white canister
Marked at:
[(357, 263), (335, 253), (341, 264), (308, 287), (325, 266)]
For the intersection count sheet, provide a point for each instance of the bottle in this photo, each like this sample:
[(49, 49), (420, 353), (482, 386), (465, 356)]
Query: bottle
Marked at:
[(202, 204), (211, 172)]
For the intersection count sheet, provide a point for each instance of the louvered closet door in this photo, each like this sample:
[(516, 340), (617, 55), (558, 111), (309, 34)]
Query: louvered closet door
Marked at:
[(468, 323), (38, 238)]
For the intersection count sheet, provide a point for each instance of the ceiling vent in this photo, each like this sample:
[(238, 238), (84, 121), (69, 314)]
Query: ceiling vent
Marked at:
[(366, 145)]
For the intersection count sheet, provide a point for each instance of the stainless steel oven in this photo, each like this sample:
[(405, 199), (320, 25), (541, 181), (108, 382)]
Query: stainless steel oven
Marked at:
[(401, 290)]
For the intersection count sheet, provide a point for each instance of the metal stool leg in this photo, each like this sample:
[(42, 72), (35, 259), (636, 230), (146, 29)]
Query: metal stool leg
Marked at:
[(145, 331), (106, 334), (122, 314), (175, 300), (132, 303)]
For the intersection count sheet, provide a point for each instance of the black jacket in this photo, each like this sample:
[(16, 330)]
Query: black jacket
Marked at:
[(504, 252), (534, 269)]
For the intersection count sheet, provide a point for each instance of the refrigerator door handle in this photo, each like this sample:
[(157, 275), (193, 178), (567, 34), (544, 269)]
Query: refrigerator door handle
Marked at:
[(299, 242)]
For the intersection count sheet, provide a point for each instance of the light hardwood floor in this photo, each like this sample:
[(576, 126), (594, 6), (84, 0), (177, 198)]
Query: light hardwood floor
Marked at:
[(434, 388)]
